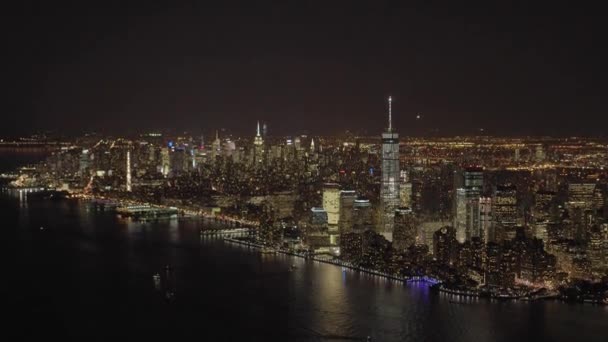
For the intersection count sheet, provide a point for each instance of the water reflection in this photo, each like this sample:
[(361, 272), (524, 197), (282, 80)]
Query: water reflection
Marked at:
[(218, 286)]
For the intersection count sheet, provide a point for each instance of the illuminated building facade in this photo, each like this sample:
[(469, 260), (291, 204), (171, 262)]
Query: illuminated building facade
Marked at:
[(347, 207), (504, 212), (331, 202), (486, 231), (404, 235), (389, 192), (258, 148), (362, 215), (128, 185), (467, 219)]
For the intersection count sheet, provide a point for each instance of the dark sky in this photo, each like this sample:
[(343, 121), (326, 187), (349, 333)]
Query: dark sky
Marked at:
[(321, 66)]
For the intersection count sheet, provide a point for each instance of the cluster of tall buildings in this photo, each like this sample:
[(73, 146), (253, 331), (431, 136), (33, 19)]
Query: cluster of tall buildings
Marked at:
[(489, 215), (353, 219), (496, 211)]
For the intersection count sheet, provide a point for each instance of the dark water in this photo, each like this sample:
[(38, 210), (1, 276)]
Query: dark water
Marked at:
[(87, 276)]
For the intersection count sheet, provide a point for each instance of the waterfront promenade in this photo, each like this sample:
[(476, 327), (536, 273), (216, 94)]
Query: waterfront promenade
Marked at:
[(331, 260)]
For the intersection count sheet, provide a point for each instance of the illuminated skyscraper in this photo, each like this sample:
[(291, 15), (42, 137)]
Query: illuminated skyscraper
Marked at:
[(390, 176), (504, 212), (128, 171), (258, 147), (216, 147), (486, 233), (583, 193), (347, 203), (331, 202), (84, 164), (467, 216), (405, 190), (165, 161), (362, 215)]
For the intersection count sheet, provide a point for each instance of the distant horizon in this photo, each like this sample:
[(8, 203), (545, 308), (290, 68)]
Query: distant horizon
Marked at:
[(307, 66), (209, 135)]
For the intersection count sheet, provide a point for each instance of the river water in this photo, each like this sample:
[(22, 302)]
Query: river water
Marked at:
[(87, 275)]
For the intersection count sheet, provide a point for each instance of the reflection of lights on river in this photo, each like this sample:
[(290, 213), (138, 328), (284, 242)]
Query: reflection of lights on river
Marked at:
[(173, 230)]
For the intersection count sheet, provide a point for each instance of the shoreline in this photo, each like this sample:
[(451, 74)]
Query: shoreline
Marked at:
[(117, 201), (432, 283), (182, 212), (340, 263)]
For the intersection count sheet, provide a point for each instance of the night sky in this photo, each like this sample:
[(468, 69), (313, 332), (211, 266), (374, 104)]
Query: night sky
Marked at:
[(321, 67)]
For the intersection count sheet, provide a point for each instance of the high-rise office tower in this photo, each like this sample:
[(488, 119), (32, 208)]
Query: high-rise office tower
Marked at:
[(405, 190), (258, 147), (84, 163), (486, 232), (331, 202), (504, 212), (467, 216), (347, 203), (216, 147), (404, 235), (544, 204), (128, 171), (444, 244), (165, 161), (582, 193), (362, 215), (389, 192), (461, 214)]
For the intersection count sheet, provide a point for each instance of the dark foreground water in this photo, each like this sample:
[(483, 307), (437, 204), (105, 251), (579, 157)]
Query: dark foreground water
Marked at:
[(88, 276)]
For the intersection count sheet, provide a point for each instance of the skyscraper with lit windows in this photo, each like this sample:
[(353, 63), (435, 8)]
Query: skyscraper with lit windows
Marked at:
[(389, 191), (467, 218), (258, 147)]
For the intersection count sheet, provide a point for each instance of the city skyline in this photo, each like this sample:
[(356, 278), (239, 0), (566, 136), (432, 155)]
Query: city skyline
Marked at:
[(305, 171)]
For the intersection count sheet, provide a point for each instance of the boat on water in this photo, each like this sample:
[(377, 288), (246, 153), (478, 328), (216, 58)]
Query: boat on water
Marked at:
[(505, 296), (156, 278)]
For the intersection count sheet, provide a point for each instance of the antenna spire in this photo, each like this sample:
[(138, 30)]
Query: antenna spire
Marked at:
[(258, 134), (390, 114)]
